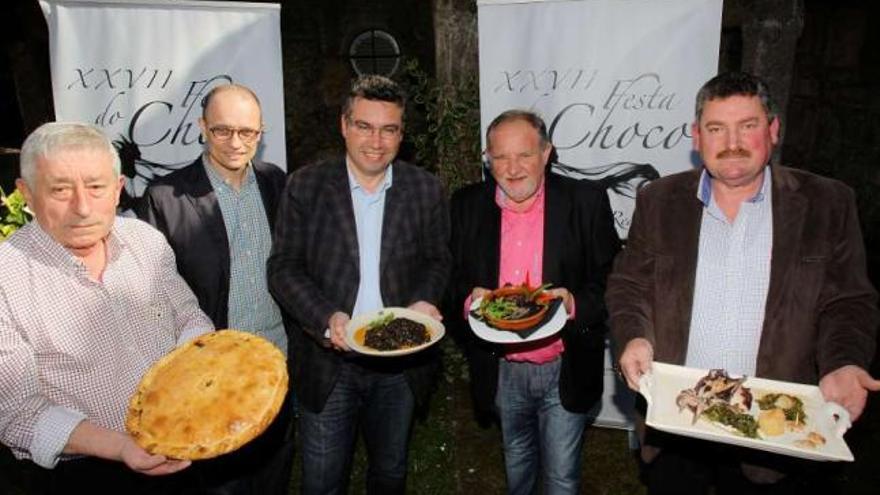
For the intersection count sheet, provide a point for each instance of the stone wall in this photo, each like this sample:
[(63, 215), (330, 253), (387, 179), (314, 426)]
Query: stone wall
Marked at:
[(316, 35), (834, 108)]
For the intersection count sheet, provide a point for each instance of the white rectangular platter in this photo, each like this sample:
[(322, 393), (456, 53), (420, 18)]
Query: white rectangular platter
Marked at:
[(662, 385)]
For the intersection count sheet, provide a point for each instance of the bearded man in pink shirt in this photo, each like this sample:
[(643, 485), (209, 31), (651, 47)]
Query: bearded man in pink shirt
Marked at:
[(525, 224)]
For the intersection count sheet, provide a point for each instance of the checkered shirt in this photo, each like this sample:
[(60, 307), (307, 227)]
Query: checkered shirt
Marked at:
[(251, 308), (733, 276), (72, 348)]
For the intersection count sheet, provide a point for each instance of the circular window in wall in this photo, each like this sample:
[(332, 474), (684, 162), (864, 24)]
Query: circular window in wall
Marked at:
[(374, 52)]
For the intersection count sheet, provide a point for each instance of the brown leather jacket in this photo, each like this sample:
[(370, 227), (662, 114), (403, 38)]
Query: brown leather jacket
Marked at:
[(821, 310)]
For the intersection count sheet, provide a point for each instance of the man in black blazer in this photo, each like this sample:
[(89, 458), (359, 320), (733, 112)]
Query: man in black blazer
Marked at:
[(353, 235), (526, 225), (217, 214)]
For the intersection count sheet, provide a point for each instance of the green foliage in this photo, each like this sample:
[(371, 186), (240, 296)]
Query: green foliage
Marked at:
[(14, 211), (449, 142), (450, 137)]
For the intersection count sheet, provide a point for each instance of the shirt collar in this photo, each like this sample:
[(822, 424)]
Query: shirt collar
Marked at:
[(704, 192), (113, 243), (217, 180), (504, 202), (354, 185)]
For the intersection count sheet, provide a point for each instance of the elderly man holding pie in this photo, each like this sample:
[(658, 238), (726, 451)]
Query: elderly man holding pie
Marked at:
[(527, 226), (89, 302)]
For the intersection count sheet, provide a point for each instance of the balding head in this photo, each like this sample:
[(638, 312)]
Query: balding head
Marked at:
[(242, 90)]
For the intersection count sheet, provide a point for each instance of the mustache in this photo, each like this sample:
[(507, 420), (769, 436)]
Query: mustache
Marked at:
[(734, 153)]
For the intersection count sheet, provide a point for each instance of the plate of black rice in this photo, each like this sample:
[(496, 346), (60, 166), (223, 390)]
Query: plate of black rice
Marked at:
[(392, 332)]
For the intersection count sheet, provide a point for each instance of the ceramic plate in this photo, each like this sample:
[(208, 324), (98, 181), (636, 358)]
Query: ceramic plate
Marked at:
[(492, 334), (665, 381), (436, 329)]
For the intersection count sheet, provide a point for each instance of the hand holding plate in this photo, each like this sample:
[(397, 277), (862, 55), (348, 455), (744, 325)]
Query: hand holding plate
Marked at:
[(565, 295), (635, 361), (426, 308), (849, 386), (479, 293), (337, 323)]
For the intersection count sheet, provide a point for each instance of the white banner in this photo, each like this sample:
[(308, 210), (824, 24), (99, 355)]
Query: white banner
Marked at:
[(615, 80), (139, 70)]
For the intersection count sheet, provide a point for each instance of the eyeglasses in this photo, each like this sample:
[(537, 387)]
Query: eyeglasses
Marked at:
[(224, 133), (364, 129)]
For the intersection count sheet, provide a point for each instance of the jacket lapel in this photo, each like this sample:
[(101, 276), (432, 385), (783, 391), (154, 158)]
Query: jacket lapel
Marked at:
[(338, 192), (204, 202), (686, 212), (267, 192), (396, 199), (488, 237), (554, 208), (789, 215)]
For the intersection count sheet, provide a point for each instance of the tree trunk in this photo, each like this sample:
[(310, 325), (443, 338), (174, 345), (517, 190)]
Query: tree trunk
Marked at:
[(770, 36), (27, 47), (455, 38)]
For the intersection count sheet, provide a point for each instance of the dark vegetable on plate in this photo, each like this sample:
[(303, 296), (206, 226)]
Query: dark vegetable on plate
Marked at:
[(390, 334), (729, 416)]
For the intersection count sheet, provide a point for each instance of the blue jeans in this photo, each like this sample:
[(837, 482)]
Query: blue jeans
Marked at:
[(540, 436), (381, 405)]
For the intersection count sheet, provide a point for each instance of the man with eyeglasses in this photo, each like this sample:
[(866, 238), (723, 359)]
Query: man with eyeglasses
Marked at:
[(217, 214), (356, 234)]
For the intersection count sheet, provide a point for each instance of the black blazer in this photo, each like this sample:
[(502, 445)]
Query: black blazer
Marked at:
[(314, 267), (580, 242), (183, 206)]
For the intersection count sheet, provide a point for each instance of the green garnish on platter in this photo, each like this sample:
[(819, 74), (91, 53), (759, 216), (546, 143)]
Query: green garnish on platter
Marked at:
[(742, 422)]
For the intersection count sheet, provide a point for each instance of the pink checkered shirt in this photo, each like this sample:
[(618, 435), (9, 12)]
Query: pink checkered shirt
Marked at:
[(72, 348)]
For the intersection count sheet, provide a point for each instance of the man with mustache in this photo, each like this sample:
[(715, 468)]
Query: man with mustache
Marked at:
[(756, 269)]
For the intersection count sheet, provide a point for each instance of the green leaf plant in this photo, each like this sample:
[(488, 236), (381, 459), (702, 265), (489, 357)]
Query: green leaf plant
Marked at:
[(14, 211), (448, 139)]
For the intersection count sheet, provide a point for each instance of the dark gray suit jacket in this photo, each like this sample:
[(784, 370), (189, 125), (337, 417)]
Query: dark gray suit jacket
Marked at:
[(314, 267), (183, 206)]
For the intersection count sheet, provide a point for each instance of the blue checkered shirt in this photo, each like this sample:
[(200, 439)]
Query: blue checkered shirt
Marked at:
[(251, 308), (733, 275)]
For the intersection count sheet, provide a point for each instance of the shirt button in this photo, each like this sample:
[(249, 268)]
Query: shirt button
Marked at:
[(516, 272), (519, 243)]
